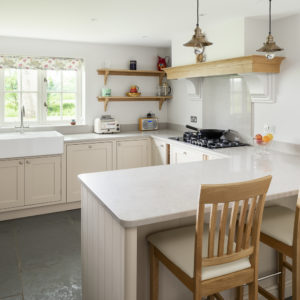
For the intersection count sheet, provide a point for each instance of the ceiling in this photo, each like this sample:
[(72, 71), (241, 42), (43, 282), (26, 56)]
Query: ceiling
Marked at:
[(136, 22)]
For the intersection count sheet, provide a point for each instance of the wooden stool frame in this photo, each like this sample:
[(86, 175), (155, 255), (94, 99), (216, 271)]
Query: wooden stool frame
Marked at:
[(285, 250), (246, 200)]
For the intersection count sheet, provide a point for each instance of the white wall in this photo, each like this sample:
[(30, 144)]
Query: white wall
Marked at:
[(227, 39), (95, 56), (182, 106), (284, 115)]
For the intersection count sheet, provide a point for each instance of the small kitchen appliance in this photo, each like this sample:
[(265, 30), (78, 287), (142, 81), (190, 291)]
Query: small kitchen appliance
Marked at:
[(148, 123), (106, 124)]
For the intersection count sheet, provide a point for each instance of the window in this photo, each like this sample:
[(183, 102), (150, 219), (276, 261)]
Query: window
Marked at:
[(61, 95), (49, 96), (20, 88)]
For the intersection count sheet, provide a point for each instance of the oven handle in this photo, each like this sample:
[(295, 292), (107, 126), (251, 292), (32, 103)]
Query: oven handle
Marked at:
[(191, 127)]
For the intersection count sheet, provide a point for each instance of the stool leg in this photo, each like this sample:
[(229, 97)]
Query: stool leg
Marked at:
[(253, 290), (296, 276), (282, 276), (240, 293), (154, 268)]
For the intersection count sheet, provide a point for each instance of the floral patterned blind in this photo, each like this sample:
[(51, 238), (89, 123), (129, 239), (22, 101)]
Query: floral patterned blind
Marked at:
[(40, 63)]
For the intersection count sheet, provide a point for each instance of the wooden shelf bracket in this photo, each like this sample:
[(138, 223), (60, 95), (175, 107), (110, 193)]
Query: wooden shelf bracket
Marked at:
[(106, 76), (161, 102), (106, 100)]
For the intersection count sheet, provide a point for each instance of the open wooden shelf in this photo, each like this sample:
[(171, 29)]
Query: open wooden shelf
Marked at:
[(238, 65), (161, 99), (108, 72)]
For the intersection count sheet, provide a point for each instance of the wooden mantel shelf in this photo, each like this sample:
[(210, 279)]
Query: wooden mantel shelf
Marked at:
[(161, 99), (239, 65), (108, 72)]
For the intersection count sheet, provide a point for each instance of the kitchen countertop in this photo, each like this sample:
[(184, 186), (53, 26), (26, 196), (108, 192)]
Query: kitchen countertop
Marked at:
[(71, 138), (161, 134), (148, 195)]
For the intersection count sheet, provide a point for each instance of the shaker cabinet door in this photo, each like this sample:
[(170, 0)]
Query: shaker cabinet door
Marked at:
[(133, 154), (159, 153), (86, 158), (42, 180), (11, 183)]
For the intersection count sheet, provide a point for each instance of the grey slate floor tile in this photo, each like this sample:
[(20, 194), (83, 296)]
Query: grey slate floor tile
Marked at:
[(40, 257), (10, 281), (17, 297)]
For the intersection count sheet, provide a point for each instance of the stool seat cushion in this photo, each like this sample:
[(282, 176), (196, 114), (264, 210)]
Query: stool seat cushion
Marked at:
[(278, 223), (178, 246)]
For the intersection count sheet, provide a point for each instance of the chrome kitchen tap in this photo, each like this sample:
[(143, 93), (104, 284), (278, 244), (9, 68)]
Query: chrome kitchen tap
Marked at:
[(22, 120)]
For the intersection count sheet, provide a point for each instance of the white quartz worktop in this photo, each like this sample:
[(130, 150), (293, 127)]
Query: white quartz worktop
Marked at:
[(122, 135), (148, 195)]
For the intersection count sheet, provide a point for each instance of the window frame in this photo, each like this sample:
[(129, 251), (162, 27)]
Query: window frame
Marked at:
[(41, 99)]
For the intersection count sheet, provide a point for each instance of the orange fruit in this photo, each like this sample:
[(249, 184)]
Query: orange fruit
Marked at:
[(266, 139), (270, 135)]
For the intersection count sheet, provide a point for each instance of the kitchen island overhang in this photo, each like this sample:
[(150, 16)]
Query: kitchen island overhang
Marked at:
[(119, 208)]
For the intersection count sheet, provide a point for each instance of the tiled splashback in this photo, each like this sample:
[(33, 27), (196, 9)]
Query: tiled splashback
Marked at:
[(227, 105)]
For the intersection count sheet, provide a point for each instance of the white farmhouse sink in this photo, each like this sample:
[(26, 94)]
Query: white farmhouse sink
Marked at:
[(36, 143)]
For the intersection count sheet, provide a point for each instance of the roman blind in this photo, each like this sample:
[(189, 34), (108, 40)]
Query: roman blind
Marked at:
[(40, 63)]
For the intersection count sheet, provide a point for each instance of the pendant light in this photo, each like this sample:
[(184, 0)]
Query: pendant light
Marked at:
[(270, 47), (198, 41)]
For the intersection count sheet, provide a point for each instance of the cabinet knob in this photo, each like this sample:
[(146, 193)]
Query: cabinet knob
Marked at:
[(184, 153), (20, 163), (27, 162), (162, 146), (90, 146)]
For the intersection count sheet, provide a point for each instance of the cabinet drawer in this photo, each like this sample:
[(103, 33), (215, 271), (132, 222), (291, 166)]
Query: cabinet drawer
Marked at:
[(183, 155)]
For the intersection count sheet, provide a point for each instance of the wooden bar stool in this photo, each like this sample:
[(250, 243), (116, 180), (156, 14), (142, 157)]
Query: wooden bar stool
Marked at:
[(219, 256), (281, 230)]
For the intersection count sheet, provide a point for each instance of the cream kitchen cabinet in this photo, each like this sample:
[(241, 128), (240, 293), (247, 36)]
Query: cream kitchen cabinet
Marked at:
[(159, 152), (42, 180), (30, 181), (133, 154), (184, 154), (11, 183), (86, 158)]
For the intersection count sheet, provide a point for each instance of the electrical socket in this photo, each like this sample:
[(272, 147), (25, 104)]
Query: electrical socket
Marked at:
[(193, 119)]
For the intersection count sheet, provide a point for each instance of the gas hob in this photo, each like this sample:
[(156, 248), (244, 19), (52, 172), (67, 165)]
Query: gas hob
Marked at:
[(195, 138)]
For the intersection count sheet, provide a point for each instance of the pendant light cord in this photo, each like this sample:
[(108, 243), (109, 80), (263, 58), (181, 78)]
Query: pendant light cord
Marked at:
[(197, 12), (270, 12)]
